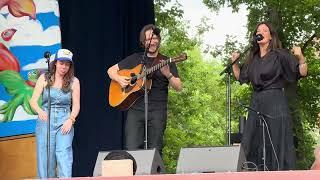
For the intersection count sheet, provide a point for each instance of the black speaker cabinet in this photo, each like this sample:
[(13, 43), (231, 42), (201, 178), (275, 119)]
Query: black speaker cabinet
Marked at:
[(211, 159), (148, 162)]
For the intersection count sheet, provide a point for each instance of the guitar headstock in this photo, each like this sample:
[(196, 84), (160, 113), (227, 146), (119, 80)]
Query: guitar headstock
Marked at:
[(181, 57)]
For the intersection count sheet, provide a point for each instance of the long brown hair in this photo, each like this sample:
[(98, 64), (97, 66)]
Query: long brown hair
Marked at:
[(275, 42), (67, 78), (143, 31)]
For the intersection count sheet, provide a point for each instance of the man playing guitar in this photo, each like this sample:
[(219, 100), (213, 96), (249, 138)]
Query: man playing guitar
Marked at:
[(158, 95)]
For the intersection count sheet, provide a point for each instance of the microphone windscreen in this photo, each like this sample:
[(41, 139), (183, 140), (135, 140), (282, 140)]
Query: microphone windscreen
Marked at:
[(156, 31), (259, 37), (47, 54)]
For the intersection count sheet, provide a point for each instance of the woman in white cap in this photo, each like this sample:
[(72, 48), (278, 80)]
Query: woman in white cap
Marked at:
[(65, 106)]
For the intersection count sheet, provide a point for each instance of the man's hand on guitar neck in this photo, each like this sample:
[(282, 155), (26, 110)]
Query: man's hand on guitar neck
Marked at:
[(165, 70), (174, 82)]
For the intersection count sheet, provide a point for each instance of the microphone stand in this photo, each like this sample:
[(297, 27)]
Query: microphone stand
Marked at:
[(263, 123), (48, 77), (227, 71), (146, 101)]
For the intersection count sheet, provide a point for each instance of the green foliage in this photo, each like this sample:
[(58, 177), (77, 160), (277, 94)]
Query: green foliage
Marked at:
[(309, 91), (195, 115), (174, 34), (295, 20)]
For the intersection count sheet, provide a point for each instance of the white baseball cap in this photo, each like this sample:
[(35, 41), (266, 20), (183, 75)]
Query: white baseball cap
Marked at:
[(63, 55)]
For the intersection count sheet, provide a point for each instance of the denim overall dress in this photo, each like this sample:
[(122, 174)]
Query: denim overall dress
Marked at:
[(61, 156)]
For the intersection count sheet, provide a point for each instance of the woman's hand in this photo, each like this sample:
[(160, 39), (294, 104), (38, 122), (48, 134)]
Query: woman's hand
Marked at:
[(42, 115), (303, 67), (296, 50), (235, 67), (66, 127), (234, 56)]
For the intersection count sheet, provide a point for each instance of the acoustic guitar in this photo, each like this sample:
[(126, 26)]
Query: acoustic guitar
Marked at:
[(124, 98)]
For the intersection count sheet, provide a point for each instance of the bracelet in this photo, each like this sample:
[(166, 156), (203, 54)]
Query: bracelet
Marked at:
[(302, 63), (170, 77), (73, 119)]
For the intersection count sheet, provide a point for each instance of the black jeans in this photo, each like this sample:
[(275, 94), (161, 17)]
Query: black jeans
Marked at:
[(135, 129)]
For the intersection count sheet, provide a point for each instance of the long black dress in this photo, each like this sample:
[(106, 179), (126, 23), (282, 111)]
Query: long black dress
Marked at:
[(268, 75)]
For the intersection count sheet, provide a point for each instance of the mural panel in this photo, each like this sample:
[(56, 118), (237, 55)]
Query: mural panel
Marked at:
[(28, 28)]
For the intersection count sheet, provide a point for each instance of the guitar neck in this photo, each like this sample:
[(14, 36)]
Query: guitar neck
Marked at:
[(155, 68), (158, 66)]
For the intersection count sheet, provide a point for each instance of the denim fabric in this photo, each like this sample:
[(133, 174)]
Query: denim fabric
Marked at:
[(60, 156)]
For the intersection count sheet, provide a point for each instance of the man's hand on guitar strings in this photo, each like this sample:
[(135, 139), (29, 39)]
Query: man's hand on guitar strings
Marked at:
[(123, 81)]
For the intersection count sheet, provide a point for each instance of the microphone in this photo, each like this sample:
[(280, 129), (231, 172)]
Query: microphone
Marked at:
[(156, 31), (258, 37), (255, 39), (47, 55)]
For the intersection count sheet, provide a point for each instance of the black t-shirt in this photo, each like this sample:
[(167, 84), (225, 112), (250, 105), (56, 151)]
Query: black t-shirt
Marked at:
[(158, 95), (271, 71)]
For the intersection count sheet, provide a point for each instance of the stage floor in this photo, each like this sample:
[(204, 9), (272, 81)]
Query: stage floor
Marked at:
[(268, 175)]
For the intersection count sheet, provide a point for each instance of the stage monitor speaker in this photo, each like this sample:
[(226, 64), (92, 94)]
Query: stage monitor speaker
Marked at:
[(148, 162), (211, 159)]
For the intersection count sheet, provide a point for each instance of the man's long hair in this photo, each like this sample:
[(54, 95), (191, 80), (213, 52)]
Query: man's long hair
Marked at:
[(143, 34), (67, 78), (275, 43)]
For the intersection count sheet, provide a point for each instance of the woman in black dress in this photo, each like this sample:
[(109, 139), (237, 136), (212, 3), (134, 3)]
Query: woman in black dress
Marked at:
[(268, 68)]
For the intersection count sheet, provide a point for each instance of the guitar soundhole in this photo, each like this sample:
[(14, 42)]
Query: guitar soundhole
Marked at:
[(127, 89), (133, 78)]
